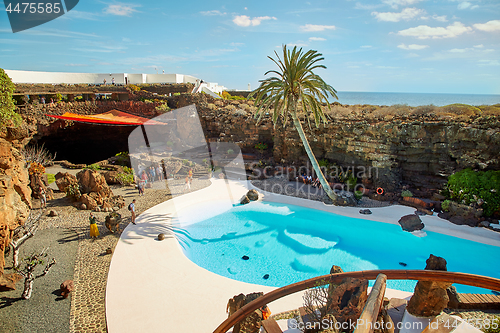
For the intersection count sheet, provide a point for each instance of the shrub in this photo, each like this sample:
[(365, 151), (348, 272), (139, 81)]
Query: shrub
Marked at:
[(162, 108), (323, 163), (358, 195), (7, 107), (125, 178), (261, 146), (51, 178), (37, 154), (491, 325), (445, 205), (73, 191), (94, 167), (36, 168), (406, 194), (133, 87), (469, 186)]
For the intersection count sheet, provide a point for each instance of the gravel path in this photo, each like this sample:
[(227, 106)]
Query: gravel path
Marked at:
[(46, 310), (86, 258)]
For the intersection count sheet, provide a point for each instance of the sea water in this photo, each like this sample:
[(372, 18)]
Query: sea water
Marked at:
[(414, 99)]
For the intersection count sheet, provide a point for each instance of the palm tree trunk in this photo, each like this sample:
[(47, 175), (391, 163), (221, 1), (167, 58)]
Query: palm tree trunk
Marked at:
[(324, 183)]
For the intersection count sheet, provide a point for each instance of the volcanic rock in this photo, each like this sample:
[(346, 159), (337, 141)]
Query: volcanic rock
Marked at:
[(411, 223), (430, 297)]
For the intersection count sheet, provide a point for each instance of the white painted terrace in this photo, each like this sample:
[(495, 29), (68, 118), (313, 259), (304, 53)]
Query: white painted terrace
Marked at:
[(153, 287)]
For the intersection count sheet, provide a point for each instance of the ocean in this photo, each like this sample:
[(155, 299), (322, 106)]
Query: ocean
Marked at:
[(414, 99)]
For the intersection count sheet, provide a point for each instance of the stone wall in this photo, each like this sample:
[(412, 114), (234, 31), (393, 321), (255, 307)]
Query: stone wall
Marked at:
[(421, 150), (15, 194)]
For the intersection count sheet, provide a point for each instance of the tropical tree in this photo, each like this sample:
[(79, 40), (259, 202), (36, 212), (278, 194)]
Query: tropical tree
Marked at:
[(296, 88)]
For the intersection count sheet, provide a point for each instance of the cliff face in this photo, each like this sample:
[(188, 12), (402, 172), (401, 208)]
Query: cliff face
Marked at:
[(416, 147), (15, 194)]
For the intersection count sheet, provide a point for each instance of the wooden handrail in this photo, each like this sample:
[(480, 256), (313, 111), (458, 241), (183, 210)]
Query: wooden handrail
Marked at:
[(372, 306), (422, 275)]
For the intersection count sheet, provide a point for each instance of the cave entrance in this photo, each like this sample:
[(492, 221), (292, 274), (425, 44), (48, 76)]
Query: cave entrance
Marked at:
[(85, 143)]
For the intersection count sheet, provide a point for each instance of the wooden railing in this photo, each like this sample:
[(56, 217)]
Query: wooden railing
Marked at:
[(422, 275), (372, 306)]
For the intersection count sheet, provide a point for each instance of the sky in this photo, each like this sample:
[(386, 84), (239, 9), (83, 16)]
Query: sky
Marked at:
[(423, 46)]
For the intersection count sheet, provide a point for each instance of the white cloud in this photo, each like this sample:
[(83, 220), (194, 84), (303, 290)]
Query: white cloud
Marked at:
[(464, 5), (120, 9), (315, 27), (365, 7), (317, 39), (440, 18), (467, 49), (480, 46), (406, 14), (299, 43), (412, 47), (396, 3), (489, 63), (246, 21), (213, 13), (366, 46), (488, 26), (387, 67), (424, 31)]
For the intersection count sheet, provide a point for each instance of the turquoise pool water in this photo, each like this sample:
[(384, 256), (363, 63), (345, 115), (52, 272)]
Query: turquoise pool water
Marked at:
[(288, 243)]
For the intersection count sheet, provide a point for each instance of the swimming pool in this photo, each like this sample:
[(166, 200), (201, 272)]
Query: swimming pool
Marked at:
[(275, 245)]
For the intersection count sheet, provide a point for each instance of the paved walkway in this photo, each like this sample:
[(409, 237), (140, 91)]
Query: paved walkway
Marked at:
[(153, 287)]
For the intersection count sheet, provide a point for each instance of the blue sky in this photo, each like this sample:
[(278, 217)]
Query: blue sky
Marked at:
[(447, 46)]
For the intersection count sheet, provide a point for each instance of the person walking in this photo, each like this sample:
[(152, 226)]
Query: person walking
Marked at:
[(187, 187), (131, 207), (43, 197), (94, 232)]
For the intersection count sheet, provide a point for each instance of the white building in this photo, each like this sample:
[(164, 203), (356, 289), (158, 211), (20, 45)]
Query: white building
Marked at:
[(99, 78)]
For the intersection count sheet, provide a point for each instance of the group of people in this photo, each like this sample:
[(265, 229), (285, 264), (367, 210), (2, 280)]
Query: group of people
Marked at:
[(94, 231), (149, 174), (309, 180)]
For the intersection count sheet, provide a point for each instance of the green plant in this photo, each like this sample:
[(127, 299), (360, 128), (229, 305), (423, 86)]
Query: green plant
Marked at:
[(162, 108), (51, 178), (59, 97), (261, 146), (177, 94), (358, 195), (295, 89), (230, 151), (125, 178), (133, 87), (94, 167), (469, 186), (445, 205), (323, 163), (128, 170), (73, 191), (406, 193), (7, 108), (351, 181)]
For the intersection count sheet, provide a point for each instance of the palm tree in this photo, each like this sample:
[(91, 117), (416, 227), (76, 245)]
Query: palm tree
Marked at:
[(296, 84)]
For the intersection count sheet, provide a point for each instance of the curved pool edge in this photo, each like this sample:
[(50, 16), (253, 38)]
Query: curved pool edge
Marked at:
[(391, 214), (153, 286)]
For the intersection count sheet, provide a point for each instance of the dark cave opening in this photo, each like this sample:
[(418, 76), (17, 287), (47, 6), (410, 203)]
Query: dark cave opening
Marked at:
[(86, 143)]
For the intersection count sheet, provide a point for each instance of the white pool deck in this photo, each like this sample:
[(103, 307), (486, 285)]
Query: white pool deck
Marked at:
[(153, 287)]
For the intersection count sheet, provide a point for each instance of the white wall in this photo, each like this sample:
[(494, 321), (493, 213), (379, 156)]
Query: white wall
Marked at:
[(161, 78), (96, 78), (61, 77), (136, 78)]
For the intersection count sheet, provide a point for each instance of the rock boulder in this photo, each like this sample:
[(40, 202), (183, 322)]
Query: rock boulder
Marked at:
[(430, 297), (411, 223)]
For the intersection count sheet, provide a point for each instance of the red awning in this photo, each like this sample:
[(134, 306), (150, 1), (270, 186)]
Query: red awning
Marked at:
[(113, 117)]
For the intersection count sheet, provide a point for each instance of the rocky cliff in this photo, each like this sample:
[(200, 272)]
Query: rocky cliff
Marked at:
[(15, 194), (394, 146)]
